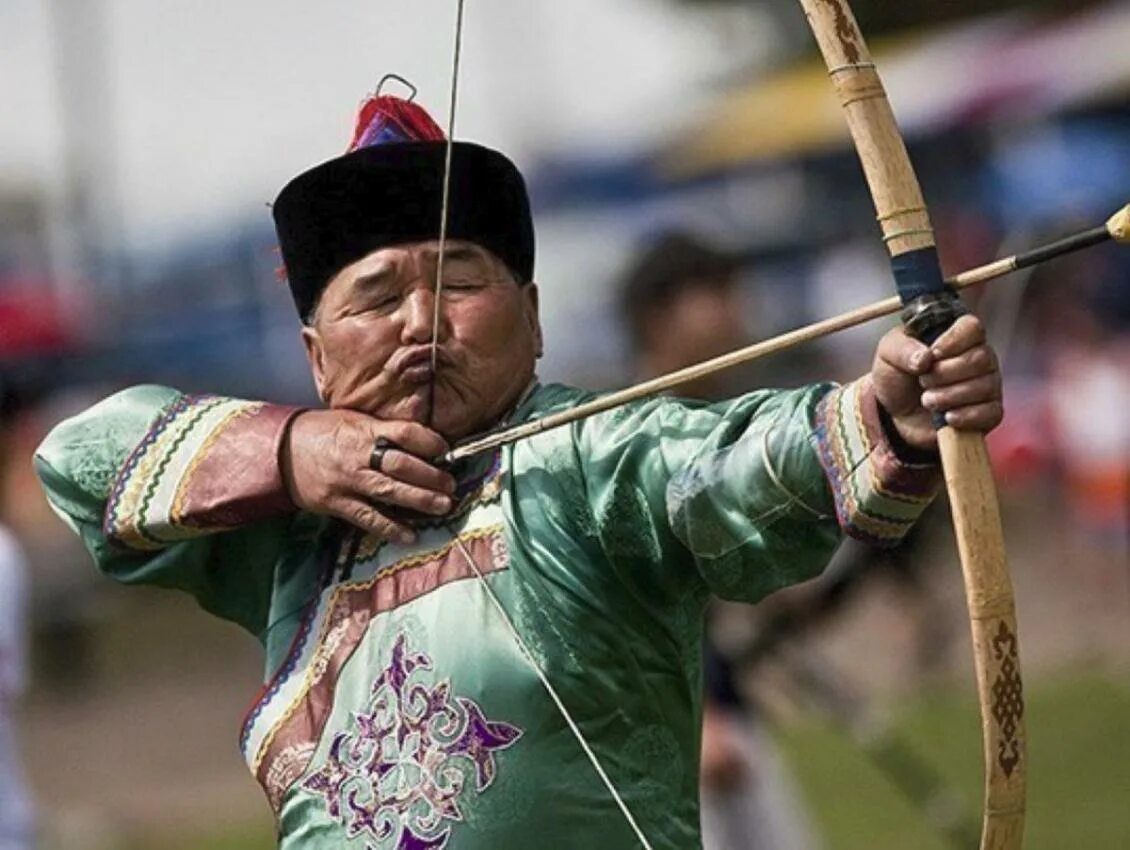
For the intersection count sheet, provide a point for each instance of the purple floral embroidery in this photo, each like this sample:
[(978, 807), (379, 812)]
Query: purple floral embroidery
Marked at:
[(397, 774)]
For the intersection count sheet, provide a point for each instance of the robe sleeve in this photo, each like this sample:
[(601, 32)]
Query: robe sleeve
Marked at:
[(176, 491), (752, 494)]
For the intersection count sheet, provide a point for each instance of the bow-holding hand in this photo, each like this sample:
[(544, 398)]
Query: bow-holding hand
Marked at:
[(327, 463), (957, 376)]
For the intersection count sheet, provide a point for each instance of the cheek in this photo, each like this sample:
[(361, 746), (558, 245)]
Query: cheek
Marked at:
[(498, 333), (356, 347)]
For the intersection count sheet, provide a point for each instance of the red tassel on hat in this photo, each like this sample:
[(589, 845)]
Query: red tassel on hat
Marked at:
[(386, 119)]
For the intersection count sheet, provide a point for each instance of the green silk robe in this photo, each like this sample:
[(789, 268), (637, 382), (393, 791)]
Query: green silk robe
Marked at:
[(398, 710)]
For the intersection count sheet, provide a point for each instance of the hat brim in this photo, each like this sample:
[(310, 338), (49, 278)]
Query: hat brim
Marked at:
[(386, 195)]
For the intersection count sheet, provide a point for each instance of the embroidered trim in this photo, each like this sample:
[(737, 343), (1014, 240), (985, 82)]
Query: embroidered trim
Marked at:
[(877, 496), (396, 774), (145, 508), (285, 669), (126, 476), (422, 558), (308, 681), (162, 458), (176, 512), (318, 662)]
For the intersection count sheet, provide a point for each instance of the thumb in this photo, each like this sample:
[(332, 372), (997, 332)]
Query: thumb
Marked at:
[(899, 362)]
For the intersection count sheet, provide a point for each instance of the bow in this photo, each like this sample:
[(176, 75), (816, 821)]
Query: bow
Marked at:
[(965, 463)]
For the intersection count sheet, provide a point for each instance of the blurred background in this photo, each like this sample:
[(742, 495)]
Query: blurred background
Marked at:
[(142, 143)]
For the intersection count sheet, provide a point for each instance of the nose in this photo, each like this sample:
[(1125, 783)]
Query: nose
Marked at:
[(419, 316)]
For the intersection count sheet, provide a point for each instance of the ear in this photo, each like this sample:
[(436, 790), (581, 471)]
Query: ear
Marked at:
[(312, 343), (530, 294)]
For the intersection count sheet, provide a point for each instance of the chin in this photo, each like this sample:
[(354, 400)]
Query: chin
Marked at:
[(453, 426), (412, 408)]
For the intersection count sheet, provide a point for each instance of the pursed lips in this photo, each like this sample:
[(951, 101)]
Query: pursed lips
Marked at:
[(414, 365)]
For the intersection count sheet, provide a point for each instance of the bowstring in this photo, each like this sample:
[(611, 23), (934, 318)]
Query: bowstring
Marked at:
[(553, 695), (496, 603), (437, 293)]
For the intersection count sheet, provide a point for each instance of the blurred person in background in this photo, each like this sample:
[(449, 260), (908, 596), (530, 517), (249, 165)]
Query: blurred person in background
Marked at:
[(682, 303), (1087, 349), (466, 657), (15, 801)]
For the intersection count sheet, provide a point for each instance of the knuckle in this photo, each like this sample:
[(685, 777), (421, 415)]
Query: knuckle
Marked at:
[(382, 525), (431, 439), (397, 431), (972, 323), (381, 487), (400, 429), (361, 515), (417, 439), (386, 431), (323, 494)]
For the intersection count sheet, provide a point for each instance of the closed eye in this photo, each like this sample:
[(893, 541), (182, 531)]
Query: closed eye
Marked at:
[(463, 285), (380, 304)]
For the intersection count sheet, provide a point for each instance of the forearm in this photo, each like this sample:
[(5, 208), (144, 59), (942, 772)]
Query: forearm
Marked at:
[(752, 505), (762, 503)]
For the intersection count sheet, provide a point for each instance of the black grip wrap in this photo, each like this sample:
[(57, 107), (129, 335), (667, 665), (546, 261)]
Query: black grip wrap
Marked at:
[(929, 305), (917, 273), (927, 317)]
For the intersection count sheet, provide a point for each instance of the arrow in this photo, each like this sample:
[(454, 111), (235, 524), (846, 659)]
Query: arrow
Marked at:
[(1116, 229)]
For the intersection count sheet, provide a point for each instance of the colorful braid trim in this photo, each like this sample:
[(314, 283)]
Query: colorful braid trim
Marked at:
[(208, 463), (878, 496)]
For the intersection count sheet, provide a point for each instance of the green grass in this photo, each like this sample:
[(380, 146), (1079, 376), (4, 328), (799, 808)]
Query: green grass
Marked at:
[(1079, 780), (1079, 784), (234, 838)]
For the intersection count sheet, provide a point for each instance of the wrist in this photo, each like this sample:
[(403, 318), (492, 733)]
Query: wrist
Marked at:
[(911, 452), (285, 458)]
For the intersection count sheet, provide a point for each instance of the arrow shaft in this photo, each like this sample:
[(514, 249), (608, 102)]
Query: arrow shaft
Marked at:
[(765, 348)]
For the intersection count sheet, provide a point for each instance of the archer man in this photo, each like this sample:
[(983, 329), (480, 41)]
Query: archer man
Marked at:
[(506, 653)]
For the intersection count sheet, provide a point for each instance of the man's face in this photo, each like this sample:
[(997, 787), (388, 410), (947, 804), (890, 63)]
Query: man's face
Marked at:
[(370, 342)]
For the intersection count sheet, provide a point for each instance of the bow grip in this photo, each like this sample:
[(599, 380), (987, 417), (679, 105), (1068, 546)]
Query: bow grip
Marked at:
[(927, 317)]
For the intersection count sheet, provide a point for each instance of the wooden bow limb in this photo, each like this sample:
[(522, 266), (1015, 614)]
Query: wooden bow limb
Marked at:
[(965, 462), (825, 327)]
